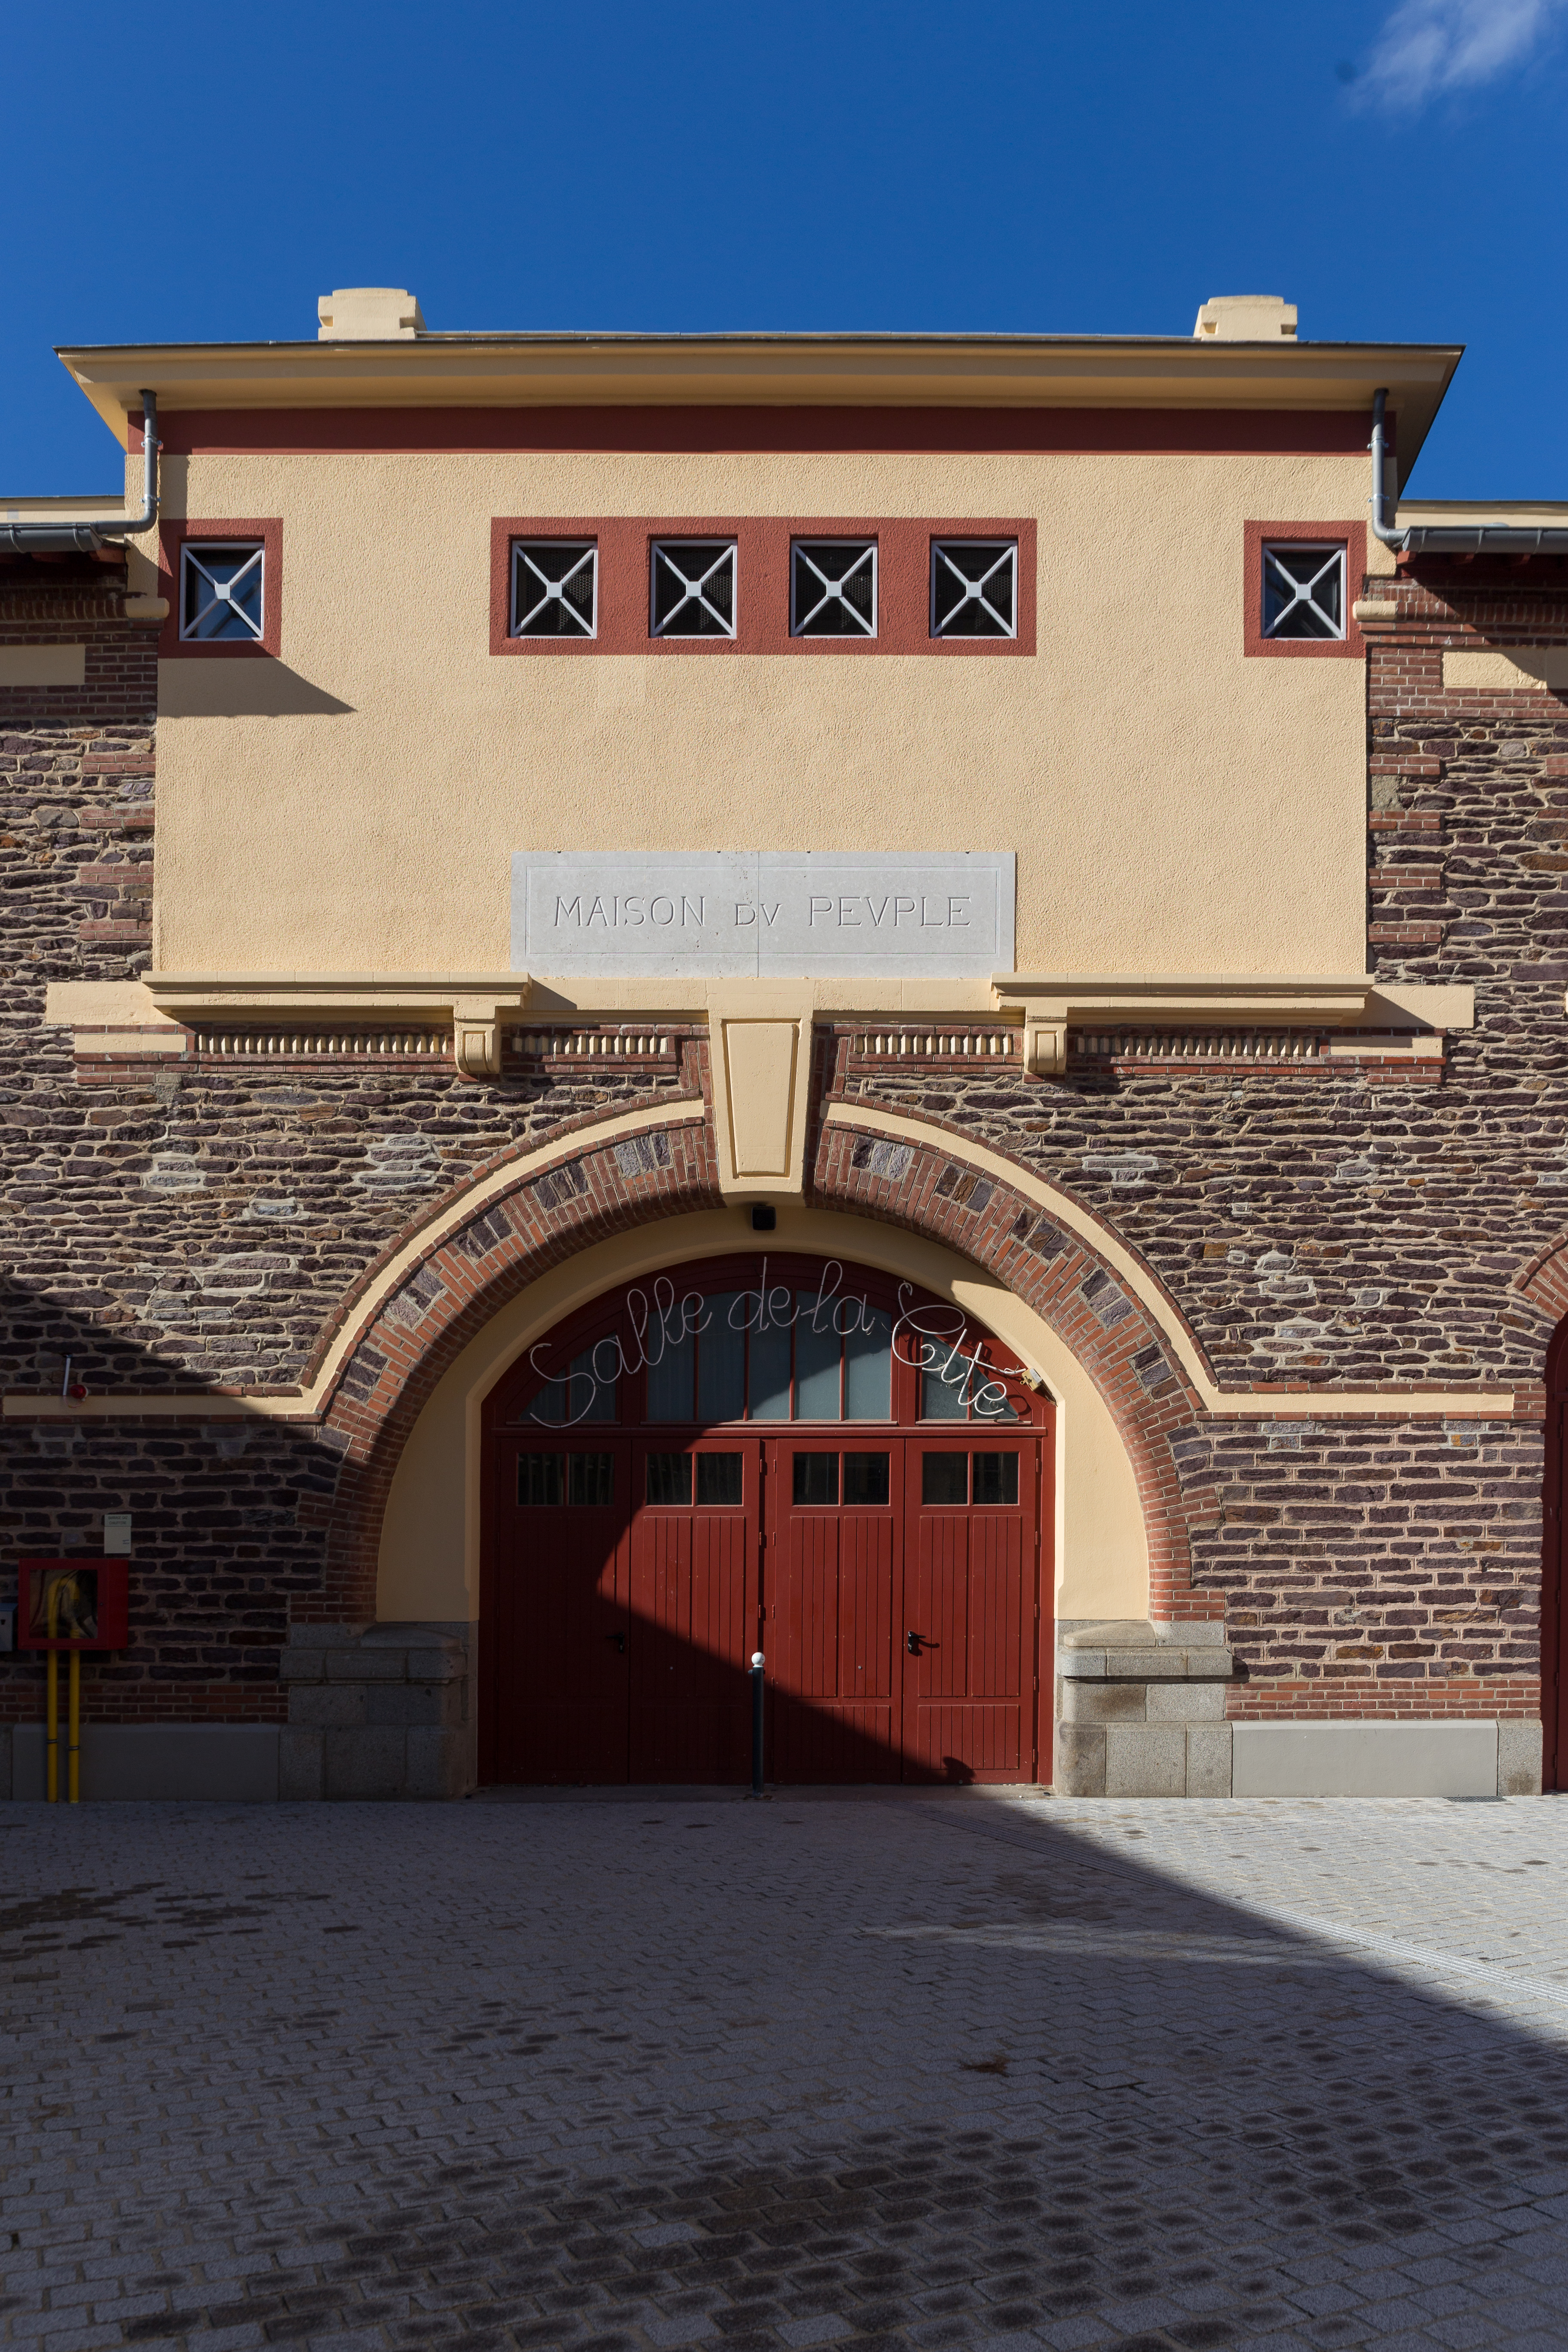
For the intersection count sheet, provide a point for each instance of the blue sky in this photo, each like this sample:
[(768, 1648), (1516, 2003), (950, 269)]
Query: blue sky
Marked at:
[(206, 173)]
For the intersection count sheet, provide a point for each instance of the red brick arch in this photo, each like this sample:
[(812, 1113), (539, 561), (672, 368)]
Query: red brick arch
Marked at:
[(593, 1188), (1544, 1281)]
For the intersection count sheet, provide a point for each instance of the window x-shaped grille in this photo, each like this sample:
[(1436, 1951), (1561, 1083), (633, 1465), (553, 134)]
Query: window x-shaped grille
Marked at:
[(693, 588), (1303, 591), (833, 588), (221, 592), (554, 587), (975, 588)]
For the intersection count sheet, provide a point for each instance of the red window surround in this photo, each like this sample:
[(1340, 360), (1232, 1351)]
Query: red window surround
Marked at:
[(172, 537), (1256, 536), (762, 545)]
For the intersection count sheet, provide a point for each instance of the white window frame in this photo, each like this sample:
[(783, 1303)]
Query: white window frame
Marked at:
[(1334, 553), (554, 589), (833, 590), (729, 551), (190, 557), (974, 589)]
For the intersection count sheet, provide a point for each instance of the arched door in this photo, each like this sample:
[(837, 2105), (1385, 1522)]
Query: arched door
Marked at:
[(775, 1453)]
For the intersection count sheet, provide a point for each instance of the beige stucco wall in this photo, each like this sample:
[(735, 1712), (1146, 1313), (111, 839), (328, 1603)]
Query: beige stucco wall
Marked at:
[(430, 1536), (1174, 806)]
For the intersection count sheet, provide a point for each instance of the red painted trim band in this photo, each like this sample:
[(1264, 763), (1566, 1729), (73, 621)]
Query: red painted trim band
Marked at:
[(705, 430)]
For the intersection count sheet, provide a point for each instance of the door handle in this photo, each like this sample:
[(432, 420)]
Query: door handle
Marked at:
[(912, 1644), (620, 1642)]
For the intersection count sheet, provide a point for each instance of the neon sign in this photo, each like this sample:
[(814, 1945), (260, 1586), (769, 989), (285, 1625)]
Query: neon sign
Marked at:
[(931, 1339)]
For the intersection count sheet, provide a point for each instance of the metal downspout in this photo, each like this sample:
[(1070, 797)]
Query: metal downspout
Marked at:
[(1398, 540), (87, 538)]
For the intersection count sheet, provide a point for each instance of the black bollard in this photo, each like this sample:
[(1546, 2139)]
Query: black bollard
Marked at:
[(758, 1662)]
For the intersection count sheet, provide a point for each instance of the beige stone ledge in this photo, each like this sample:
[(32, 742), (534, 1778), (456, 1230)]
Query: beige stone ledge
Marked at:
[(1051, 1004), (1333, 999), (1334, 1002)]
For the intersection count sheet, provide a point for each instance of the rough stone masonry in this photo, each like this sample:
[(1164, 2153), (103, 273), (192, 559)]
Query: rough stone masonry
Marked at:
[(1320, 1222)]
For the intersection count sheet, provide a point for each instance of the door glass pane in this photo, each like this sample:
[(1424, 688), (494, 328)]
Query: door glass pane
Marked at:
[(868, 1370), (591, 1480), (721, 1362), (770, 1374), (537, 1479), (671, 1382), (817, 1477), (587, 1392), (865, 1478), (989, 1405), (942, 1400), (815, 1363), (719, 1479), (944, 1477), (995, 1477), (669, 1478)]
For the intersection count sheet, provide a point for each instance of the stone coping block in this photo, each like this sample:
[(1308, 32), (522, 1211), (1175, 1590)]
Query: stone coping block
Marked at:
[(1139, 1633), (135, 1763), (1146, 1666), (1136, 1650), (378, 1654), (1356, 1758), (1144, 1759)]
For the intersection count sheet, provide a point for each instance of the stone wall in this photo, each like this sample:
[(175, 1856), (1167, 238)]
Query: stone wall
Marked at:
[(207, 1221)]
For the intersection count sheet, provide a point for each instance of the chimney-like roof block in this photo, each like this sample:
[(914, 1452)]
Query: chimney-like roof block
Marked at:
[(369, 314)]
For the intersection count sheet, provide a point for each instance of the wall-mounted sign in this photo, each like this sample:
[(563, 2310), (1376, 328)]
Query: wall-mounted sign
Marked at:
[(764, 914)]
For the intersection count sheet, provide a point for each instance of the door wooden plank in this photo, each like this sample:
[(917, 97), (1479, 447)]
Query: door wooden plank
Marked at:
[(693, 1610), (561, 1703)]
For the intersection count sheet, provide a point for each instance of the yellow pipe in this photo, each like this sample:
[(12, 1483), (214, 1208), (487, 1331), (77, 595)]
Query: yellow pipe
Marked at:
[(73, 1752), (52, 1744)]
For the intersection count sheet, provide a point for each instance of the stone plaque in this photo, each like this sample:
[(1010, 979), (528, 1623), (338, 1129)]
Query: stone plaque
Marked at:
[(763, 914)]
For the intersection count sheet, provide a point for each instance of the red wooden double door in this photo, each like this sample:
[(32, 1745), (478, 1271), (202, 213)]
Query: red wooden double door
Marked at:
[(890, 1569)]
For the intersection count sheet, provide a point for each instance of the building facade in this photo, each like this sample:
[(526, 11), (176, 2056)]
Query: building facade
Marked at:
[(892, 1001)]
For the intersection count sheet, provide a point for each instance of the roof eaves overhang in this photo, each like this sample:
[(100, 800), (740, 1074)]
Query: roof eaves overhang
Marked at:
[(592, 369)]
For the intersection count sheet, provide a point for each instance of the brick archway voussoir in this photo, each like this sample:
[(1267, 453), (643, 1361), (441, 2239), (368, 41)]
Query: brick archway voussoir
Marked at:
[(927, 1187), (595, 1188)]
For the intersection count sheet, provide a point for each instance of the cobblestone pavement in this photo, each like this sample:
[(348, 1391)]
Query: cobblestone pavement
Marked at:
[(948, 2072)]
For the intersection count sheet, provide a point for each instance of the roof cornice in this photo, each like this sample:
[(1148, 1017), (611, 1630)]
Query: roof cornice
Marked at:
[(522, 371)]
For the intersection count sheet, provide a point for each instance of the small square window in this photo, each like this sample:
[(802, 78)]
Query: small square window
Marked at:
[(692, 588), (539, 1481), (995, 1477), (866, 1477), (816, 1478), (833, 588), (554, 587), (720, 1481), (1303, 591), (221, 592), (975, 588), (669, 1478), (590, 1480), (945, 1478)]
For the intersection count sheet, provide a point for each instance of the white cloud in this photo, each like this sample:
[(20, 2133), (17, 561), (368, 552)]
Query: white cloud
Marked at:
[(1431, 47)]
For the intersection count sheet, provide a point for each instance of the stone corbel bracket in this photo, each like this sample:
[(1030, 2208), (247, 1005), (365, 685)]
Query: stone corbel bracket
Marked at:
[(1051, 1003), (476, 1025), (759, 1054), (479, 1007)]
